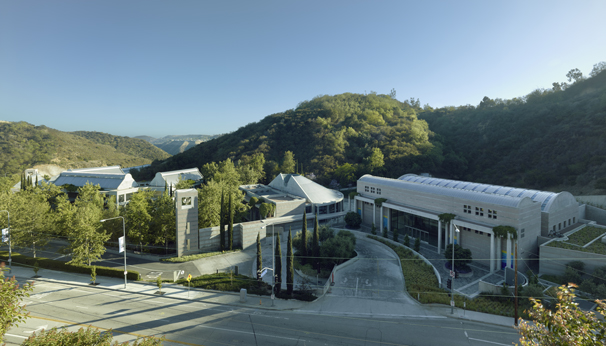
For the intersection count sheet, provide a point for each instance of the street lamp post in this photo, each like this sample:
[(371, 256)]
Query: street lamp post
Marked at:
[(124, 232), (453, 270), (10, 259)]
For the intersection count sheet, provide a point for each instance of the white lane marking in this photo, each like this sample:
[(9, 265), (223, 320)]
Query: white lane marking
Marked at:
[(490, 342), (17, 336), (249, 333), (37, 329)]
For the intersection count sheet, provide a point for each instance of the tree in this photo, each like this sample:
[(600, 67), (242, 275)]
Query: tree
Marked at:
[(575, 74), (288, 163), (304, 238), (290, 267), (406, 240), (222, 223), (597, 68), (345, 174), (13, 312), (265, 210), (163, 225), (567, 325), (375, 162), (316, 243), (394, 233), (230, 226), (462, 256), (184, 184), (353, 219), (93, 275), (138, 218), (278, 263), (86, 237), (259, 255), (31, 218)]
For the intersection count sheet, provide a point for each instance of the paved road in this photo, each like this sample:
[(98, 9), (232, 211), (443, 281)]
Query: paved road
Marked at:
[(185, 322)]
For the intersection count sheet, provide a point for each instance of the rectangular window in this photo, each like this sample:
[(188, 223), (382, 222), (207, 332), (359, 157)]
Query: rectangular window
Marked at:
[(187, 227), (121, 199), (522, 233), (378, 191), (574, 220), (331, 209), (186, 203), (372, 190), (187, 244), (308, 209), (366, 189)]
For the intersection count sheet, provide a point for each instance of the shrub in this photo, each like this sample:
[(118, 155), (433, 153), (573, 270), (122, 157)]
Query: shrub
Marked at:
[(353, 219), (373, 230), (571, 275), (73, 268), (462, 256), (418, 247), (395, 234), (406, 240), (83, 337)]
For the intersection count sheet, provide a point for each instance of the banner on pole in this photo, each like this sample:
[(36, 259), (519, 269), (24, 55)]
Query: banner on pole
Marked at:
[(4, 235), (121, 245)]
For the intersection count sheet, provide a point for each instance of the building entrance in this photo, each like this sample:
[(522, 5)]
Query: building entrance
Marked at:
[(415, 226)]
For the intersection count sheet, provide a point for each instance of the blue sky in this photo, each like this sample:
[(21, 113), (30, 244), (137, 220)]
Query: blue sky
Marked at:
[(199, 67)]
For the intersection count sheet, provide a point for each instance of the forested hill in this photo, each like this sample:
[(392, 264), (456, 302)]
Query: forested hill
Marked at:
[(23, 145), (351, 134), (550, 139)]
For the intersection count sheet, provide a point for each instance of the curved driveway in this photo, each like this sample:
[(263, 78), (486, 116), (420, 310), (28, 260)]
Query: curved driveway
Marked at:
[(372, 286)]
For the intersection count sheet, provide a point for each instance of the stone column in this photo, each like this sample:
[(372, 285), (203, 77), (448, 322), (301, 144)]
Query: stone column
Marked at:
[(508, 257), (492, 259), (439, 236)]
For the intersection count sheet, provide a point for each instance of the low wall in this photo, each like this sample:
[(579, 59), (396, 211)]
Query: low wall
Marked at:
[(595, 214), (487, 287), (553, 260)]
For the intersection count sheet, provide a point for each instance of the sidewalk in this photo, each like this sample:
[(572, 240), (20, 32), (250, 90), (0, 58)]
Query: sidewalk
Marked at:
[(147, 288)]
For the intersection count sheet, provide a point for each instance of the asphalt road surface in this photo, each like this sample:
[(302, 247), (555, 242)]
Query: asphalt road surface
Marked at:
[(183, 322)]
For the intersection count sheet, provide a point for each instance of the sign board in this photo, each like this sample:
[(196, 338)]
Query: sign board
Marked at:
[(4, 235), (452, 273), (452, 303), (263, 272), (121, 244)]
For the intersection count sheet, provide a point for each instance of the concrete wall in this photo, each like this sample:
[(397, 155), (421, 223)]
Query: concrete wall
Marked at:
[(595, 214), (296, 207), (553, 260), (595, 199), (186, 217)]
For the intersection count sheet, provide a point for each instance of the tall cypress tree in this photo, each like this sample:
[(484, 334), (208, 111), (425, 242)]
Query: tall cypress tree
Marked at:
[(259, 256), (290, 267), (316, 244), (230, 227), (278, 264), (221, 223), (304, 238)]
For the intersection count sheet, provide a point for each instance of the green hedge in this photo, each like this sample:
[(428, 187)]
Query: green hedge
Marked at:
[(196, 256), (72, 268)]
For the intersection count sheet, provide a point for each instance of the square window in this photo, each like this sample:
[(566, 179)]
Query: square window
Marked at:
[(186, 203)]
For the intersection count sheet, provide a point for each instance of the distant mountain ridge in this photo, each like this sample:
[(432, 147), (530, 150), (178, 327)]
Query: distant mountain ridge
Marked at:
[(176, 144), (24, 145)]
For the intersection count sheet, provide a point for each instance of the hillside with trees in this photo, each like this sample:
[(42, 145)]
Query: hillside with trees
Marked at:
[(23, 145), (549, 139), (336, 137)]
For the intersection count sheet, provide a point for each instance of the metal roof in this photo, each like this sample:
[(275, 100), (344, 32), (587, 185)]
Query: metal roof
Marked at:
[(107, 181), (437, 186), (300, 186), (108, 169), (543, 197), (172, 177)]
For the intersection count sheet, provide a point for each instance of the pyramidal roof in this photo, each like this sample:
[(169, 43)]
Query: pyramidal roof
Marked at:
[(298, 185)]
